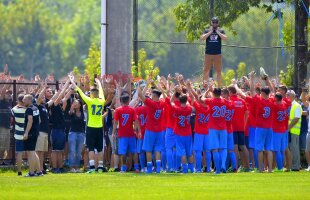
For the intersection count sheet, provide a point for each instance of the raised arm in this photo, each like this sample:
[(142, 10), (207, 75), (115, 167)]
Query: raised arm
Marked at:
[(204, 36), (62, 93), (85, 98), (222, 35), (65, 99), (101, 94), (305, 98)]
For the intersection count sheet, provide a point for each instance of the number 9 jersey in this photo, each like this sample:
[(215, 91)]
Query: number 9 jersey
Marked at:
[(94, 110)]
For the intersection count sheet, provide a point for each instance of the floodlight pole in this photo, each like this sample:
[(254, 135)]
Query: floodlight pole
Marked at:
[(135, 32), (103, 55)]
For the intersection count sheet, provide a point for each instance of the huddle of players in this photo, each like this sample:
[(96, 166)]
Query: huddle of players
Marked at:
[(161, 127)]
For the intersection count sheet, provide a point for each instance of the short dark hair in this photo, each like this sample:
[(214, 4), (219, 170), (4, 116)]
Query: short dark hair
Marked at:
[(157, 92), (177, 94), (124, 99), (225, 91), (266, 90), (232, 89), (183, 98), (217, 92), (278, 96)]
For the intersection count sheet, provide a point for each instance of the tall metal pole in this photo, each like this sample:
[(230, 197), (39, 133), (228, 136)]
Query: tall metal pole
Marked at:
[(211, 15), (211, 9), (135, 32), (103, 57), (301, 42)]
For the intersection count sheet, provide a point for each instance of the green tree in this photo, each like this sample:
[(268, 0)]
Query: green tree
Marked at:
[(157, 22), (49, 36), (286, 77), (92, 63), (228, 76), (145, 67), (193, 16), (241, 70)]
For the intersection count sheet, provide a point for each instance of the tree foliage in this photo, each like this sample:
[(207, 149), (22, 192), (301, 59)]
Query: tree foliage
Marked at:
[(47, 36), (241, 70), (92, 63), (228, 76), (145, 67), (194, 16), (286, 77)]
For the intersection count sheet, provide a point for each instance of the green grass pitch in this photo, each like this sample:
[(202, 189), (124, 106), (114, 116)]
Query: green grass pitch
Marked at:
[(294, 185)]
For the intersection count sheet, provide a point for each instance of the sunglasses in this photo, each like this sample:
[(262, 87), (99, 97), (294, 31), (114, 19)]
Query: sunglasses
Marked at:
[(215, 22)]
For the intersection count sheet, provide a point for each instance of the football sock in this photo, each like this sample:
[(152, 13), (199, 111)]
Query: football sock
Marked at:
[(208, 160), (223, 154), (124, 168), (100, 164), (191, 167), (255, 152), (92, 164), (136, 166), (169, 154), (149, 167), (142, 160), (177, 162), (158, 164), (216, 159), (198, 158), (185, 168), (164, 160), (279, 160)]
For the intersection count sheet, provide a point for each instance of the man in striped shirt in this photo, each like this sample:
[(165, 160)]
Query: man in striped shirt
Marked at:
[(18, 113)]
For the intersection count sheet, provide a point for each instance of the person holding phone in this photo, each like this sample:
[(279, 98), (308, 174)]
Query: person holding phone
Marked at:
[(213, 51)]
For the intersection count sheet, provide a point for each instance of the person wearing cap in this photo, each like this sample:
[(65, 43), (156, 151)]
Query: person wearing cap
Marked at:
[(213, 51), (294, 131)]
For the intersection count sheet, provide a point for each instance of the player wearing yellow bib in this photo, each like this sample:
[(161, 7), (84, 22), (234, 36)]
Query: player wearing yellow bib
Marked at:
[(94, 132)]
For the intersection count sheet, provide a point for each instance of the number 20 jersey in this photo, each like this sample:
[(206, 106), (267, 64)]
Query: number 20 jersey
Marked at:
[(218, 108)]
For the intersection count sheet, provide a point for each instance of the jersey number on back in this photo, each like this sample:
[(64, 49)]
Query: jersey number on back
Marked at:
[(219, 111), (203, 118), (157, 114), (96, 110), (125, 119), (182, 120), (267, 112), (229, 115), (281, 115), (142, 119)]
